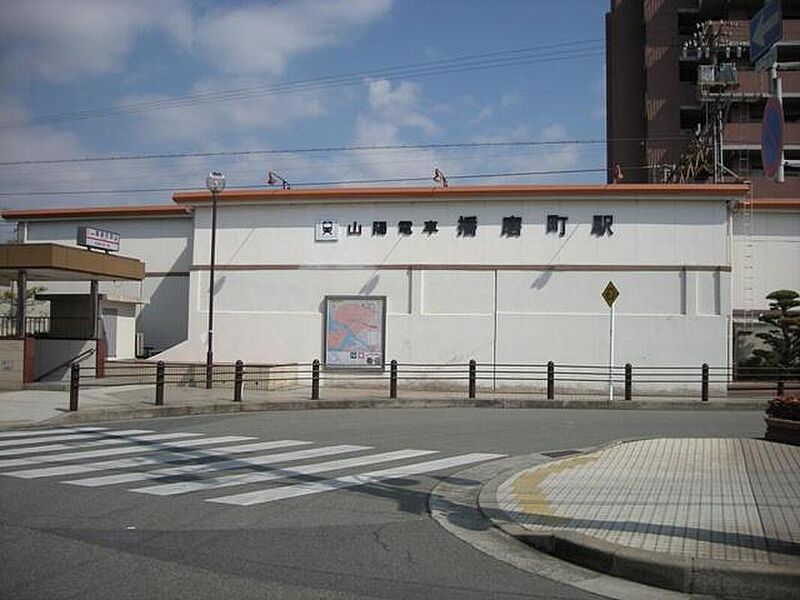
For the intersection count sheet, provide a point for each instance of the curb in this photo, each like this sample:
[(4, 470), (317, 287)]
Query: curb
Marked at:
[(122, 414), (719, 578), (146, 412)]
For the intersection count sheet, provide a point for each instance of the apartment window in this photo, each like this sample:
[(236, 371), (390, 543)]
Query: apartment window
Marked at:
[(690, 118), (687, 21), (688, 72)]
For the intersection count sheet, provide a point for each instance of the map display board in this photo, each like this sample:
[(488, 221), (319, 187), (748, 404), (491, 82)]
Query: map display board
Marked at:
[(355, 332)]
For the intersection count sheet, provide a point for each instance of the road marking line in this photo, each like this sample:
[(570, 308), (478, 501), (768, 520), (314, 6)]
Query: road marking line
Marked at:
[(77, 435), (30, 432), (184, 487), (153, 459), (33, 460), (117, 438), (304, 489), (225, 465)]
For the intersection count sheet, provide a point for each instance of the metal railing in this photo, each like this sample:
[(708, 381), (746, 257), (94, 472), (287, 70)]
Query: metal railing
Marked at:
[(62, 327), (471, 378)]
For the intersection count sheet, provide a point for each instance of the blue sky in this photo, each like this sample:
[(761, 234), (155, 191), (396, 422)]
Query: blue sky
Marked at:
[(63, 57)]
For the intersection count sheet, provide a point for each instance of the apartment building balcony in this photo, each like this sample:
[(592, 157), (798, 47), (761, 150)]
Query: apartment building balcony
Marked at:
[(752, 82), (748, 134)]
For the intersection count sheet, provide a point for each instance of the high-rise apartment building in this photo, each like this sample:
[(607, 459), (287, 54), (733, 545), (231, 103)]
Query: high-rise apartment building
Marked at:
[(659, 97)]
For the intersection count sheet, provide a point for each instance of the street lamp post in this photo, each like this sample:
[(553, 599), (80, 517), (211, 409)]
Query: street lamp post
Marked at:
[(215, 183)]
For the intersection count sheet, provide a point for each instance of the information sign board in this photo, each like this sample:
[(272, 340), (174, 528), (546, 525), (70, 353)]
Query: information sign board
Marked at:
[(355, 332), (766, 29)]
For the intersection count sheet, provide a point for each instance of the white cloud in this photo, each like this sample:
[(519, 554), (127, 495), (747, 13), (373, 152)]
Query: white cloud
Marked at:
[(258, 38), (203, 122), (59, 40)]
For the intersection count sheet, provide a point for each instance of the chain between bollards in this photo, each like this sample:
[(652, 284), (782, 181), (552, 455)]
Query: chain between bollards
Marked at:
[(393, 379), (551, 380), (238, 381), (160, 383), (315, 380), (74, 386), (472, 377)]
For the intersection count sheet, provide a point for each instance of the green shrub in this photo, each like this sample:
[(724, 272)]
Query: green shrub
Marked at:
[(784, 407)]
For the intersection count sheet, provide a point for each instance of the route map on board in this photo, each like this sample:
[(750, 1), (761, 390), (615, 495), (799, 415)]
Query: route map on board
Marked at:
[(354, 331)]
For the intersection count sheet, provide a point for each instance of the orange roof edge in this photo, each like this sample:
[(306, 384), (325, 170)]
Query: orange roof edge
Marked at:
[(732, 189), (771, 204), (154, 210)]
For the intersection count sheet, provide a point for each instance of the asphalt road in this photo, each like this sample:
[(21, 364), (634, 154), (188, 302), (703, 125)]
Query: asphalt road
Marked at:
[(365, 541)]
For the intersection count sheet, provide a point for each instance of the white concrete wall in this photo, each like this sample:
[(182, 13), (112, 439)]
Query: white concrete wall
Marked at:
[(164, 244), (529, 299), (774, 245), (12, 364), (124, 338)]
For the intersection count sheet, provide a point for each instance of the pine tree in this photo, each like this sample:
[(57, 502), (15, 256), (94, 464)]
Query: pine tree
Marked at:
[(783, 339)]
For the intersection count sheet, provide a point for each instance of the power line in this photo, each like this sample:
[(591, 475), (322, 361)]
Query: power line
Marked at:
[(329, 149), (327, 183), (571, 50)]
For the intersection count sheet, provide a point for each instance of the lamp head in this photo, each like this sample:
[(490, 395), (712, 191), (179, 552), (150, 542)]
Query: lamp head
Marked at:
[(215, 182)]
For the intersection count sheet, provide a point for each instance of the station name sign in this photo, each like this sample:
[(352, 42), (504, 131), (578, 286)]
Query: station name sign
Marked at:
[(98, 239), (467, 226)]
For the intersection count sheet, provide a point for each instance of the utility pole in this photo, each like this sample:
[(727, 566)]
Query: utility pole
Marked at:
[(716, 78)]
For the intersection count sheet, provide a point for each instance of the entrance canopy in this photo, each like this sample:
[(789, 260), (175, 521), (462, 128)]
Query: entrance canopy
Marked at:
[(54, 262)]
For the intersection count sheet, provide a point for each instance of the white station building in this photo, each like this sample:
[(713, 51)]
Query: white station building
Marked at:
[(499, 274)]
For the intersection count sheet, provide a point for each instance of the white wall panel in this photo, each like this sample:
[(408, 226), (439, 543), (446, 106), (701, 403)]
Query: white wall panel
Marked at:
[(458, 292), (300, 291), (562, 292), (773, 244)]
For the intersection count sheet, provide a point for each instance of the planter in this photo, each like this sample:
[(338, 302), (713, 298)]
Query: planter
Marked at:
[(783, 431)]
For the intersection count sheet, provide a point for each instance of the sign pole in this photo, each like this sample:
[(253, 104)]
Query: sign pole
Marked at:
[(610, 295), (611, 355), (777, 89)]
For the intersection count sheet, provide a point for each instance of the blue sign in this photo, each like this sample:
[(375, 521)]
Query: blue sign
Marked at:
[(766, 29), (772, 137)]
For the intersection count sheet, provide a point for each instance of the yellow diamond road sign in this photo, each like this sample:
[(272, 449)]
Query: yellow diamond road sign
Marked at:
[(611, 293)]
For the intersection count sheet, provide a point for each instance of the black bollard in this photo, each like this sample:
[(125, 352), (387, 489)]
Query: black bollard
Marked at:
[(238, 380), (74, 386), (160, 383), (551, 380), (393, 379), (704, 383), (473, 369), (628, 381), (315, 380)]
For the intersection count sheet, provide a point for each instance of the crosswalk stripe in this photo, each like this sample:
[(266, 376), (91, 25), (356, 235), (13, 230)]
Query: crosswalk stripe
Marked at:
[(215, 466), (161, 437), (45, 437), (156, 459), (304, 489), (32, 432), (117, 438), (184, 487)]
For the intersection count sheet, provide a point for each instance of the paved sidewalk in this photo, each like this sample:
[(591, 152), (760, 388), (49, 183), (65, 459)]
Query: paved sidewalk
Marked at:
[(106, 402), (690, 506)]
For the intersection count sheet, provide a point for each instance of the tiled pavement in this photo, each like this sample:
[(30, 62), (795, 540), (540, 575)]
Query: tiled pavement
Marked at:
[(728, 499)]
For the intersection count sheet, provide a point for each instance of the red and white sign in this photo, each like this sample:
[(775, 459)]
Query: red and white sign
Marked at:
[(99, 239)]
